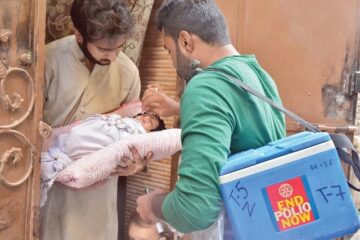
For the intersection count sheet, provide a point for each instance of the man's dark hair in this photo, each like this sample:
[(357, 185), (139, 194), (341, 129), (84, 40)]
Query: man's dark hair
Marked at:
[(161, 122), (200, 17), (99, 19)]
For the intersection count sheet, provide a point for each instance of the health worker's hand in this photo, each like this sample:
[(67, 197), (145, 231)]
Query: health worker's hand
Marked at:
[(155, 100), (148, 203)]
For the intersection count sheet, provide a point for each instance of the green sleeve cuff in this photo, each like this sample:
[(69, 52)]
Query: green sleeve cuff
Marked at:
[(186, 217)]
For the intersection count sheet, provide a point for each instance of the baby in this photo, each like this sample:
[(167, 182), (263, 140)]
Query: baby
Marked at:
[(91, 135), (140, 230)]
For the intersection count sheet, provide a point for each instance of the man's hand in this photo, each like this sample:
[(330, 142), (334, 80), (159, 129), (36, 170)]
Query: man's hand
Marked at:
[(149, 206), (155, 100), (130, 167)]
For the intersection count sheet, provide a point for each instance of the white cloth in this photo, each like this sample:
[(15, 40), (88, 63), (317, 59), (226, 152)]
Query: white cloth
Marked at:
[(93, 134), (355, 236)]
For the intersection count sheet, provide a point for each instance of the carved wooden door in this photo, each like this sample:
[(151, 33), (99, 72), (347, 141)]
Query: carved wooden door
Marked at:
[(21, 74)]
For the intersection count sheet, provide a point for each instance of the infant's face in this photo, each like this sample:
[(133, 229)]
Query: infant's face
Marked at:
[(143, 233), (148, 121)]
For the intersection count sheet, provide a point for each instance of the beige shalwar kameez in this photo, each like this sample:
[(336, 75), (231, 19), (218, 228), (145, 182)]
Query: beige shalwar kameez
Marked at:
[(72, 93)]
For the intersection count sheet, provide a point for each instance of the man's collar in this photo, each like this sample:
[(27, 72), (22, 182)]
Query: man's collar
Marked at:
[(76, 50)]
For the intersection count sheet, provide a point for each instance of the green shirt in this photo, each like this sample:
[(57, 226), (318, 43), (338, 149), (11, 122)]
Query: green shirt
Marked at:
[(218, 118)]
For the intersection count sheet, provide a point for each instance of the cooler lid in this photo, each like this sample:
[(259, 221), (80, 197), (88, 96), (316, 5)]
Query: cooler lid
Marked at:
[(273, 150)]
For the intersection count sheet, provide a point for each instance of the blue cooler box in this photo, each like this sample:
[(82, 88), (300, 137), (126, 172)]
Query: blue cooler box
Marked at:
[(290, 189)]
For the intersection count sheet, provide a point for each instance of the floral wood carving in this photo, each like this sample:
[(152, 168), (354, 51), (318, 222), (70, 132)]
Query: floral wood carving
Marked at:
[(58, 20), (5, 35), (13, 157), (141, 10), (14, 103), (25, 59), (45, 130)]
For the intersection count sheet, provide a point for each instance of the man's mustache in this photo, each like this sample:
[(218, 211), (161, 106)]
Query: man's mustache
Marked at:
[(104, 62)]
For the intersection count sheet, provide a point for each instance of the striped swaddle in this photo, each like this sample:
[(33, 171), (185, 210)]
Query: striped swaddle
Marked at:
[(100, 164), (88, 151)]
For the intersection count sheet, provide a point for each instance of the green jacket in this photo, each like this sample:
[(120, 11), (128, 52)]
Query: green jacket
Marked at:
[(218, 118)]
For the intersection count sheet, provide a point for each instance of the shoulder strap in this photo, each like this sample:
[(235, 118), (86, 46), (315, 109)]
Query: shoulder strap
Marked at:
[(256, 93), (347, 153), (341, 141)]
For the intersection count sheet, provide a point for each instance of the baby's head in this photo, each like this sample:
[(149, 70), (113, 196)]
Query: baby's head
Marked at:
[(140, 230), (151, 122)]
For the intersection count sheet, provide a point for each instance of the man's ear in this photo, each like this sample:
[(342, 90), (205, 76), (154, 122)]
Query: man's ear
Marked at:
[(79, 38), (186, 41)]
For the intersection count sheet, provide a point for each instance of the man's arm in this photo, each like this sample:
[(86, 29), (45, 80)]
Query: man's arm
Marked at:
[(207, 123)]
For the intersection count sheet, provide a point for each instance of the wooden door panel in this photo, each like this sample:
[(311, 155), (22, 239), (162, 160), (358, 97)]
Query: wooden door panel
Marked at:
[(310, 48), (231, 9), (21, 72)]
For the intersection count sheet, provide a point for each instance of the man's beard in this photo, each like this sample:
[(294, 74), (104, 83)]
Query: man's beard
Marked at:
[(186, 68), (90, 57)]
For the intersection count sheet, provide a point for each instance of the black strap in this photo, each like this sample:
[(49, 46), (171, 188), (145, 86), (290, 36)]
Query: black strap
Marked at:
[(341, 141), (351, 157), (256, 93)]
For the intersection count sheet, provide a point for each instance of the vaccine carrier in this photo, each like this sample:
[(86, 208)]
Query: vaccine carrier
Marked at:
[(290, 189)]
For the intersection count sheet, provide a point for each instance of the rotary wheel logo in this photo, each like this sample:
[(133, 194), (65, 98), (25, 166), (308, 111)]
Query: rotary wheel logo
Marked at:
[(286, 190)]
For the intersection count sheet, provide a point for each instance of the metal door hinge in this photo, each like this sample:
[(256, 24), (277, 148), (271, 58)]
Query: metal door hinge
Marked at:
[(352, 84), (347, 129), (294, 127)]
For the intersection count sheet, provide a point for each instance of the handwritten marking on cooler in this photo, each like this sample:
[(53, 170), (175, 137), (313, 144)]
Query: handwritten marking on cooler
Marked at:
[(240, 196)]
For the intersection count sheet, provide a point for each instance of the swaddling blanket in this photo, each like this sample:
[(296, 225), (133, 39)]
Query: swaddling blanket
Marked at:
[(83, 138), (100, 164), (81, 150)]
